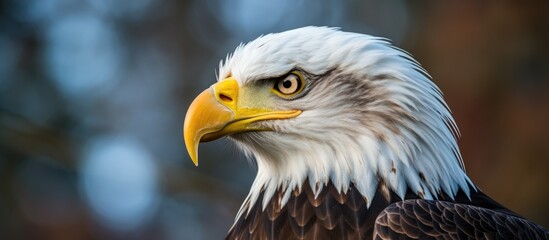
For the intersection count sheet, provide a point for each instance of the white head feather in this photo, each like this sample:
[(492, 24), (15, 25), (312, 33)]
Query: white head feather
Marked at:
[(372, 115)]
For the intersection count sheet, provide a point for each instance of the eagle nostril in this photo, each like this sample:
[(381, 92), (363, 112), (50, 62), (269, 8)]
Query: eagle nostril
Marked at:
[(225, 98)]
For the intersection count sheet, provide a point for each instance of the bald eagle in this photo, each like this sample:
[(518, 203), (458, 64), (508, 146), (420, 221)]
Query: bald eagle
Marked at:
[(351, 139)]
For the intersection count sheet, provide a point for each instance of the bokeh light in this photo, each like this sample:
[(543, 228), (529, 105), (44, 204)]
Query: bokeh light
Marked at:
[(119, 180), (242, 16), (82, 54)]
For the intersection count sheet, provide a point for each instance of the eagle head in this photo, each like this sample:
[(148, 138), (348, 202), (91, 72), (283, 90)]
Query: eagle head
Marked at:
[(316, 105)]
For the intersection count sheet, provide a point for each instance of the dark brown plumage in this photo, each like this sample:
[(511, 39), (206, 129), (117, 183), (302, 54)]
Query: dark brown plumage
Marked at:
[(333, 215), (425, 219)]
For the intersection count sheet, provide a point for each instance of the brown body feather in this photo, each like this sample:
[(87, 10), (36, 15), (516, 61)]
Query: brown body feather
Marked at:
[(334, 215)]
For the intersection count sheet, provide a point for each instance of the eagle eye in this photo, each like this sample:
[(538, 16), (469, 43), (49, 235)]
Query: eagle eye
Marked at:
[(289, 85)]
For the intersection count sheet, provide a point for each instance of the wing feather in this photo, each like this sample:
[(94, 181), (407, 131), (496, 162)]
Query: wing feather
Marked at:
[(424, 219)]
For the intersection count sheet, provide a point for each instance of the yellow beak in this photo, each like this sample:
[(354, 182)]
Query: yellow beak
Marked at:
[(216, 113)]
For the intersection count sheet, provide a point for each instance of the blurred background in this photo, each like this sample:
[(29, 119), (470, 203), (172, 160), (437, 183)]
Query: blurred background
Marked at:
[(93, 94)]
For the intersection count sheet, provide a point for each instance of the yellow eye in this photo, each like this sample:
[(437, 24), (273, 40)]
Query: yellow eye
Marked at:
[(289, 85)]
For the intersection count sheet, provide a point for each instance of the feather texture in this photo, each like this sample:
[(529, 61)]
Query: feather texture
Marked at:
[(345, 215), (374, 131), (428, 219), (369, 113)]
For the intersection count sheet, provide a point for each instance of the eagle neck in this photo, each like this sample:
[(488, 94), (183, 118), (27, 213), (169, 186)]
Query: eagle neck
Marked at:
[(375, 165)]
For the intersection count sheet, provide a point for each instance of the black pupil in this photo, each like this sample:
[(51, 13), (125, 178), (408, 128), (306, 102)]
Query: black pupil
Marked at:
[(287, 83)]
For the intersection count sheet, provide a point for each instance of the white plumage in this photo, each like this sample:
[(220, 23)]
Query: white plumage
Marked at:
[(402, 134)]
